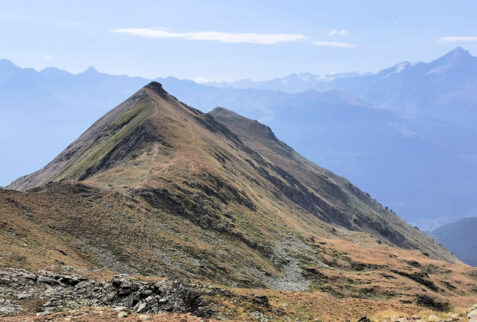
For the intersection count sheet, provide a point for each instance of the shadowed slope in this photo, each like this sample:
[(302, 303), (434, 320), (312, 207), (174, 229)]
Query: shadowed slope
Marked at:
[(339, 200), (461, 239)]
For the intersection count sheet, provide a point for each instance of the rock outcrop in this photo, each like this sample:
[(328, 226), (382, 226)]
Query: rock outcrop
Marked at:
[(52, 292)]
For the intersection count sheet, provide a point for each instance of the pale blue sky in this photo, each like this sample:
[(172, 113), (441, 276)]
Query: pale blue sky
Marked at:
[(228, 40)]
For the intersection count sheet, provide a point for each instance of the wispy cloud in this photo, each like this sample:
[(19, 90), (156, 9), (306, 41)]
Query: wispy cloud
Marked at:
[(459, 38), (333, 44), (47, 57), (226, 37), (339, 33)]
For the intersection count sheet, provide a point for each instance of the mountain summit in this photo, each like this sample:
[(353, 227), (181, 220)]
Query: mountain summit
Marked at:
[(135, 131), (456, 54)]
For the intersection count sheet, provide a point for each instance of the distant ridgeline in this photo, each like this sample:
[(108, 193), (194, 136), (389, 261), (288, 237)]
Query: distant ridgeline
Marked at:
[(460, 238)]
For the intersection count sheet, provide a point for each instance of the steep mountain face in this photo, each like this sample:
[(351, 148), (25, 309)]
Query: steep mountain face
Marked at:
[(460, 238), (160, 189), (151, 140), (262, 139), (419, 166)]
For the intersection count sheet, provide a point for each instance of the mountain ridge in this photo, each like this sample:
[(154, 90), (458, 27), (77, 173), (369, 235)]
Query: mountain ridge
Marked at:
[(135, 138), (244, 128), (158, 189), (443, 88)]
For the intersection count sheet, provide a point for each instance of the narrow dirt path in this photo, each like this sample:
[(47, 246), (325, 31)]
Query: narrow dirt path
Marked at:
[(154, 154)]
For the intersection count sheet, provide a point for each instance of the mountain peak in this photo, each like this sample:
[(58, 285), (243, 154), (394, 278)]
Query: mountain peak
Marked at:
[(455, 61), (6, 62), (457, 54), (225, 116), (156, 87), (454, 56), (6, 65), (220, 109), (129, 139), (460, 51), (90, 70)]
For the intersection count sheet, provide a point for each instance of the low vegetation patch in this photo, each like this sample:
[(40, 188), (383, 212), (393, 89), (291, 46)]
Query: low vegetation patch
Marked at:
[(432, 303)]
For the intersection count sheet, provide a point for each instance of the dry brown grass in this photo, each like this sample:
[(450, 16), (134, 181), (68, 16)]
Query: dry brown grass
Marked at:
[(107, 314)]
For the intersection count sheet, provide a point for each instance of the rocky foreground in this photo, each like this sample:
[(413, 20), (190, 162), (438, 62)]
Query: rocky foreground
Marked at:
[(46, 292), (49, 296), (456, 315)]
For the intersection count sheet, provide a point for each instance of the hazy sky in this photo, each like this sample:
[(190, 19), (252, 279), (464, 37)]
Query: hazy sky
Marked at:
[(228, 40)]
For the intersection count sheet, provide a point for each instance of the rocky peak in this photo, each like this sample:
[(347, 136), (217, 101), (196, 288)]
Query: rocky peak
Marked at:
[(459, 52), (452, 58), (156, 86), (258, 129)]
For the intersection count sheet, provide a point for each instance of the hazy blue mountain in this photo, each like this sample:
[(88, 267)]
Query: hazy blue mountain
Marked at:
[(43, 111), (293, 83), (423, 168), (445, 88), (460, 238)]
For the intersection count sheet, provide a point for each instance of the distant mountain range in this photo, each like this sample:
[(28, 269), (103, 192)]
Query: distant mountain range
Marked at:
[(443, 88), (44, 111), (293, 83), (421, 165), (460, 238)]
